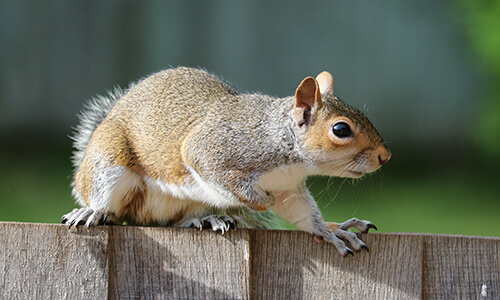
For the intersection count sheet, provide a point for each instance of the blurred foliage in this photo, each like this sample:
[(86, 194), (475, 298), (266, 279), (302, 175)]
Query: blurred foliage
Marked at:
[(482, 26)]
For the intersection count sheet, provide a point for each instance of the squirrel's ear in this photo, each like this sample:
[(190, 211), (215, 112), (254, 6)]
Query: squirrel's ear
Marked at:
[(325, 81), (307, 100)]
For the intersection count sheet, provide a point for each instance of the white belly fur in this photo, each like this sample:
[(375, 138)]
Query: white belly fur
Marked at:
[(164, 201)]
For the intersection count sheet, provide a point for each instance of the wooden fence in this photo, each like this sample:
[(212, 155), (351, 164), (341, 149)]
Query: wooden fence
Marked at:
[(46, 261)]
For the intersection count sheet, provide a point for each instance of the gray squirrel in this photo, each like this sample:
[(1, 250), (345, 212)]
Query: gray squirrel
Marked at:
[(183, 148)]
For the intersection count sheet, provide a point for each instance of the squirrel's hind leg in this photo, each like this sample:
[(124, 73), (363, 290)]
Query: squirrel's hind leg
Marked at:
[(215, 222), (108, 191), (88, 217)]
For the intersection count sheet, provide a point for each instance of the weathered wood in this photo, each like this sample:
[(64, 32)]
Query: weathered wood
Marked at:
[(43, 261), (459, 267), (174, 263), (291, 265)]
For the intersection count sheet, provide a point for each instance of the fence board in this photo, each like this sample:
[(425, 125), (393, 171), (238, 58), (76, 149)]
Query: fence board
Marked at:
[(178, 264), (457, 267), (296, 267), (44, 261)]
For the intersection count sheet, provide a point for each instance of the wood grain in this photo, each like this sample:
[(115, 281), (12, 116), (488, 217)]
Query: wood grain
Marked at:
[(44, 261), (291, 265), (173, 263), (461, 267)]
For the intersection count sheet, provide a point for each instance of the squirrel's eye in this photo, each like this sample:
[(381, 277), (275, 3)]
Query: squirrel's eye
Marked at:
[(342, 130)]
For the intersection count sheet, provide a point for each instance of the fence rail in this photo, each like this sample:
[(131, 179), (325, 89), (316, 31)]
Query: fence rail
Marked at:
[(46, 261)]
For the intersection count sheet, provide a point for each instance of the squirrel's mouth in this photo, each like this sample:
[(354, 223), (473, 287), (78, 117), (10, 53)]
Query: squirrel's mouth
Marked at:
[(326, 169), (352, 174)]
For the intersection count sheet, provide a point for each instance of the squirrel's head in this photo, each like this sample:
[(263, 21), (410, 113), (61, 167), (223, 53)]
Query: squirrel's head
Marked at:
[(340, 139)]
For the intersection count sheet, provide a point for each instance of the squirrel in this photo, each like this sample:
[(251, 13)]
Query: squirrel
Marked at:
[(184, 148)]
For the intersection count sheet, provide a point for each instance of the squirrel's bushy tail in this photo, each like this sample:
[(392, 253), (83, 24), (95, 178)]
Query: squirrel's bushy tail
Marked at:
[(92, 114)]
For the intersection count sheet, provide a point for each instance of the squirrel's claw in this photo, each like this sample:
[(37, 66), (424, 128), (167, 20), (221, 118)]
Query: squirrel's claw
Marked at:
[(361, 225), (86, 216), (230, 221), (370, 225), (340, 235), (214, 222), (349, 236)]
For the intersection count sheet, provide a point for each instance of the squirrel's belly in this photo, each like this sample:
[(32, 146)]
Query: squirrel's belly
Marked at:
[(145, 200), (170, 204), (195, 189)]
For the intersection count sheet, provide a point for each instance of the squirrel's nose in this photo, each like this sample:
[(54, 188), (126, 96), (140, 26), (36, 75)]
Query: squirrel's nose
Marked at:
[(381, 160), (384, 154)]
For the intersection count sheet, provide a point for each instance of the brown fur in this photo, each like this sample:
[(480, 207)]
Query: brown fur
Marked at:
[(184, 131), (133, 203)]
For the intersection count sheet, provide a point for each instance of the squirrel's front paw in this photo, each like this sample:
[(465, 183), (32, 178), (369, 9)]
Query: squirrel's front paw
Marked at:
[(338, 237), (88, 217), (215, 222), (340, 233)]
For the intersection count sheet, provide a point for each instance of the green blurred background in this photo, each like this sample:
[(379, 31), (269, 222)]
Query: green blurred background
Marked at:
[(427, 73)]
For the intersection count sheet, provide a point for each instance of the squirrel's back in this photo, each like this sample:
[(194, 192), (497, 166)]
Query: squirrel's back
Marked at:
[(170, 104), (142, 131), (181, 80), (180, 86)]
